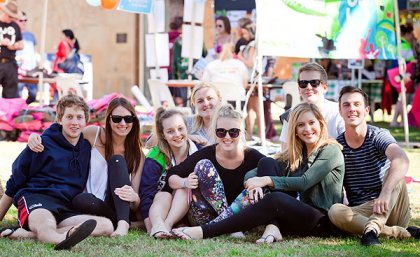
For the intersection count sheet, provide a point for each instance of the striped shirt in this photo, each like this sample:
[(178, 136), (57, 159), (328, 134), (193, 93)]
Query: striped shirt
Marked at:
[(366, 166)]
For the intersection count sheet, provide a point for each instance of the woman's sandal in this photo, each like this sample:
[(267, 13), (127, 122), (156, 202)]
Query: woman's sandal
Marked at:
[(265, 239), (163, 235), (12, 230), (181, 234), (79, 233)]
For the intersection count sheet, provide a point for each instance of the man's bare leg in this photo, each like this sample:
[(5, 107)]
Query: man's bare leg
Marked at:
[(103, 227), (44, 225)]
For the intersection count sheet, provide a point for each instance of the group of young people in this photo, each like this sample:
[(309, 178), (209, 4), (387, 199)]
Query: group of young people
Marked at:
[(76, 180)]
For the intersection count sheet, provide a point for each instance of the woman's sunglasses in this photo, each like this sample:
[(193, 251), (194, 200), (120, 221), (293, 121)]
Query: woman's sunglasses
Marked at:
[(233, 132), (118, 118), (313, 82)]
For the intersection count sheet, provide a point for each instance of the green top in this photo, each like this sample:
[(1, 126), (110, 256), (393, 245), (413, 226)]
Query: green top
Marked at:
[(158, 156), (319, 178)]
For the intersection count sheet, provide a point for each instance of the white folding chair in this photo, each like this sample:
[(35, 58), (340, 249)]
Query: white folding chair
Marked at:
[(68, 84), (229, 92), (160, 93), (141, 98), (291, 94)]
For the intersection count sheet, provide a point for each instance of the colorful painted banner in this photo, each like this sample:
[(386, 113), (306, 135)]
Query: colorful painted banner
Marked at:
[(336, 29)]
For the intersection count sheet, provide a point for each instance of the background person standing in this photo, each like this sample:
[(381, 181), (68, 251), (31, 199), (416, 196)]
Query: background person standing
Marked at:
[(27, 58), (10, 41)]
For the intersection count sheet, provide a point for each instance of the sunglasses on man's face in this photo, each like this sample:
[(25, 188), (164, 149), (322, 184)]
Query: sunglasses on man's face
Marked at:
[(313, 82), (233, 132), (118, 118)]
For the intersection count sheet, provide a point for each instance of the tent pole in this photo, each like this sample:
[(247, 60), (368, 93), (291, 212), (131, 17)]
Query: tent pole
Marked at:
[(260, 103), (402, 68), (44, 99), (191, 52)]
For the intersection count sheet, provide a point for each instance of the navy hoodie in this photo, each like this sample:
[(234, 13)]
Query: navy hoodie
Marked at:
[(61, 170)]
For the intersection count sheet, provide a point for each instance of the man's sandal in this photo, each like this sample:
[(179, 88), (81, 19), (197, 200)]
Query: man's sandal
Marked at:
[(79, 233)]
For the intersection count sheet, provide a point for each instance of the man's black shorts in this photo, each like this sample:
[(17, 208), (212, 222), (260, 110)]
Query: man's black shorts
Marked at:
[(30, 202)]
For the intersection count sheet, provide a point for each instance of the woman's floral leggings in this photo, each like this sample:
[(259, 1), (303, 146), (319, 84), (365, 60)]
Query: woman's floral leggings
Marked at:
[(208, 201)]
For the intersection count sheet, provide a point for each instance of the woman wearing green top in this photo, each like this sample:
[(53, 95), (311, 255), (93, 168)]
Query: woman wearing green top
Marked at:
[(313, 166), (161, 210)]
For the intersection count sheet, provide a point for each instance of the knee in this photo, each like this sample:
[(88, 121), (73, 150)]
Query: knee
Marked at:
[(266, 166), (116, 161), (278, 199), (82, 200), (203, 168), (104, 227), (340, 213)]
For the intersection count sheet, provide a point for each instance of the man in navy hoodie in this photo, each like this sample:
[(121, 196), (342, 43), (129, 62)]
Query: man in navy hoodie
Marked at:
[(42, 185)]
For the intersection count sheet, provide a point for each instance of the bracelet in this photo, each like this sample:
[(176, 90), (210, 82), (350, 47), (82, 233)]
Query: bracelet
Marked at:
[(184, 183)]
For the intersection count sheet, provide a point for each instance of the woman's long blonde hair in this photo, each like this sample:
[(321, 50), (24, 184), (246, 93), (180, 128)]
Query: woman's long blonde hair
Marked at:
[(293, 155), (227, 52), (198, 121), (163, 145)]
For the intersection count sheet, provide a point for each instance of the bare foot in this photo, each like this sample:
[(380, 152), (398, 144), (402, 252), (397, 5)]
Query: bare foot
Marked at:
[(122, 228), (271, 234)]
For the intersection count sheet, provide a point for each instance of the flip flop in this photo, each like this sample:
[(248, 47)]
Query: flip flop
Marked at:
[(79, 233), (162, 235), (12, 230), (181, 234), (265, 239)]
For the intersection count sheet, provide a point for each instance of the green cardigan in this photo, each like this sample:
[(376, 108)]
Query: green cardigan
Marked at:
[(319, 178)]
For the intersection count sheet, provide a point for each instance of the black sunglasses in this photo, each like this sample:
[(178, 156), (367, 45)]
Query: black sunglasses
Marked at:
[(118, 118), (313, 82), (233, 132)]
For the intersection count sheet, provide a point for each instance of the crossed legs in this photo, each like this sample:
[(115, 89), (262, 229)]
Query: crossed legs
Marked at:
[(358, 219)]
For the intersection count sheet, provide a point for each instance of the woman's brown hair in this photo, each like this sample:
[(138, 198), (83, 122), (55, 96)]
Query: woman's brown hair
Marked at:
[(132, 145), (163, 145)]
